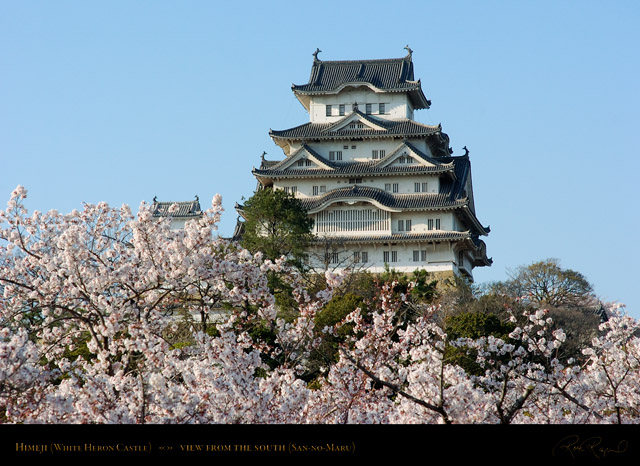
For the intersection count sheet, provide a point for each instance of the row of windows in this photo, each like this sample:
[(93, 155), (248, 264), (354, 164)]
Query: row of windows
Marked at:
[(362, 257), (432, 224), (342, 109), (376, 154), (358, 257), (390, 187)]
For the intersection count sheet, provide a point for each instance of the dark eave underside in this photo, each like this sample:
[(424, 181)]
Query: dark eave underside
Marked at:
[(354, 169), (432, 236)]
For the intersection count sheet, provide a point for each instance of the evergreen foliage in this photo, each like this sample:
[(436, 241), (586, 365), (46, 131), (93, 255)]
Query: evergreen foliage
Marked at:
[(277, 225)]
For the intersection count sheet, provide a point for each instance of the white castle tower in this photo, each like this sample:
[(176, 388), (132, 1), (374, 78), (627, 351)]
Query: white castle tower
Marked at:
[(383, 190)]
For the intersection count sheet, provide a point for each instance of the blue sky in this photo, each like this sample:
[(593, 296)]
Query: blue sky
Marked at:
[(122, 101)]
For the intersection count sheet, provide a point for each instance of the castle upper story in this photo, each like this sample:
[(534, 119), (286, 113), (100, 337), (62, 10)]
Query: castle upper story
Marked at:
[(384, 88)]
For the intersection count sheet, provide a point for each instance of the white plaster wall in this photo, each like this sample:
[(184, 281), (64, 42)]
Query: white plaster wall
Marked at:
[(362, 151), (397, 105), (406, 184), (440, 257)]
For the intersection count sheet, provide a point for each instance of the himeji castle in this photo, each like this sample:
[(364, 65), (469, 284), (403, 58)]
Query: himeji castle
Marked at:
[(383, 190)]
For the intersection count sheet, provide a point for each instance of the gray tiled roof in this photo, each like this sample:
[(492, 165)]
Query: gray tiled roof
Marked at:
[(431, 236), (186, 209), (353, 169), (349, 168), (421, 201), (391, 75), (392, 128)]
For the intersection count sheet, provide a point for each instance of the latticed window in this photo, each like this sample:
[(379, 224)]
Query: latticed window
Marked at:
[(407, 225), (393, 254), (341, 109), (315, 190), (381, 109), (395, 187), (341, 220), (368, 107), (365, 257), (420, 187), (328, 110)]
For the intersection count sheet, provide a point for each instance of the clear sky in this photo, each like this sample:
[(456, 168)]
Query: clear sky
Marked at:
[(121, 101)]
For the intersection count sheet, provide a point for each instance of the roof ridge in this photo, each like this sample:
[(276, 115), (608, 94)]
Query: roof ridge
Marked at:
[(365, 61)]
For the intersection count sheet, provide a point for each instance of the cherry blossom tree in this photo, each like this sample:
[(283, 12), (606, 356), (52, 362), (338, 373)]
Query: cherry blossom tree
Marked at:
[(88, 300)]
